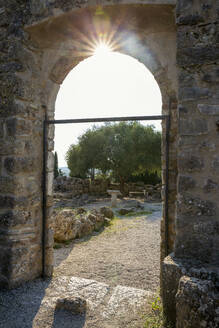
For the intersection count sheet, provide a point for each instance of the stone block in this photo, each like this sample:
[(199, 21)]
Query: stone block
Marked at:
[(7, 201), (193, 93), (210, 74), (206, 9), (38, 7), (197, 36), (50, 162), (19, 164), (10, 202), (7, 184), (191, 19), (210, 186), (190, 163), (49, 238), (193, 56), (194, 206), (193, 127), (215, 163), (61, 69), (171, 274), (11, 67), (192, 244), (208, 109), (185, 183), (13, 86), (196, 303), (51, 132), (26, 263), (50, 145), (50, 183), (13, 218), (49, 258), (11, 107), (189, 291), (17, 126)]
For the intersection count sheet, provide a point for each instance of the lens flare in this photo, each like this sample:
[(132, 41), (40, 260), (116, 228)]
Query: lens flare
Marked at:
[(102, 49)]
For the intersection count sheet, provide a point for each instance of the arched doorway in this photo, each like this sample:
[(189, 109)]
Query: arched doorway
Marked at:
[(53, 47)]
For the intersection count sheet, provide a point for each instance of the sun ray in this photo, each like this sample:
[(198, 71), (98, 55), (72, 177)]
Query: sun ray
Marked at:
[(102, 49)]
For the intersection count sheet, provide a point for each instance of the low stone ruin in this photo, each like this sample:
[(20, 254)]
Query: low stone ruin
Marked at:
[(74, 187), (69, 224), (77, 186)]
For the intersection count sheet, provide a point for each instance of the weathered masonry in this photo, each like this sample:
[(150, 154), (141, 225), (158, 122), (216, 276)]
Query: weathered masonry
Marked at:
[(40, 42)]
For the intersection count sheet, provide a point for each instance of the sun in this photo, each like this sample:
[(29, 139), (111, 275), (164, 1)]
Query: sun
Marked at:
[(102, 49)]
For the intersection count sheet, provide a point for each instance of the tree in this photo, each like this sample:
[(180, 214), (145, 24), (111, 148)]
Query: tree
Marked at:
[(56, 167), (124, 149)]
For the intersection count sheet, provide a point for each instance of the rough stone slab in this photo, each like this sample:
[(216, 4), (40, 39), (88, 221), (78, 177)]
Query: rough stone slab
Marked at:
[(57, 287), (125, 299), (92, 291), (208, 109)]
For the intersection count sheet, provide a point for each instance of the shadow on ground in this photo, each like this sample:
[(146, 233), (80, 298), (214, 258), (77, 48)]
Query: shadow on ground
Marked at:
[(65, 319), (18, 307)]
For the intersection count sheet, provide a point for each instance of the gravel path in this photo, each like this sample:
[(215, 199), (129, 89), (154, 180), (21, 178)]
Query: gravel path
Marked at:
[(121, 267), (126, 253)]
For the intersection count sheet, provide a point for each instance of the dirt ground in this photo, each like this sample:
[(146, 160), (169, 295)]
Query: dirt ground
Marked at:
[(125, 253), (115, 271)]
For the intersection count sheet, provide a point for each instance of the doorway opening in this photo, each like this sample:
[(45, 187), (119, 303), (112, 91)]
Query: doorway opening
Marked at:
[(103, 76), (165, 118)]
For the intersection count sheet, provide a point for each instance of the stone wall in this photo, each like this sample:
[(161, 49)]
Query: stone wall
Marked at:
[(191, 293), (190, 281), (197, 217), (39, 45), (77, 187)]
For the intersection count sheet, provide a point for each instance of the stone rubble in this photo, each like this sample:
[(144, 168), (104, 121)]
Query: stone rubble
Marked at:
[(68, 224)]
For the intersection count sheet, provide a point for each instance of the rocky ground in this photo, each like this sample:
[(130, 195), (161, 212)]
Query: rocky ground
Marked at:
[(110, 274), (124, 253)]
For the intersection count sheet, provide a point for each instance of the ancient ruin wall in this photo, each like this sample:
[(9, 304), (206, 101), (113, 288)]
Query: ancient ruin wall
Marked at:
[(34, 61), (198, 114), (190, 275)]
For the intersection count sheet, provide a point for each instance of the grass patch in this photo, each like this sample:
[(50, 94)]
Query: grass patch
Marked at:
[(139, 213), (112, 226), (113, 221), (57, 246), (154, 318), (67, 242)]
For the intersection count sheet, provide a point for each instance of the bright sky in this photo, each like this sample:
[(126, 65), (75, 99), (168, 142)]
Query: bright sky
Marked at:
[(104, 85)]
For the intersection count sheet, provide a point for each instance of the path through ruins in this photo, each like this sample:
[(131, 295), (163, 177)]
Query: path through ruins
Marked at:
[(116, 272)]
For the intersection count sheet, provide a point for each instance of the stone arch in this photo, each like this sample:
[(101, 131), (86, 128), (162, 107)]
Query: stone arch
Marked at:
[(51, 47), (149, 49)]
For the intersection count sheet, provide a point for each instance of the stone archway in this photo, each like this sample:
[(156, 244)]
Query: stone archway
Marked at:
[(61, 50), (50, 49), (49, 45)]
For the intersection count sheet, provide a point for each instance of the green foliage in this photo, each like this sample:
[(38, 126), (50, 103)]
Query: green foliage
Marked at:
[(57, 246), (155, 318), (121, 150), (56, 167), (152, 178)]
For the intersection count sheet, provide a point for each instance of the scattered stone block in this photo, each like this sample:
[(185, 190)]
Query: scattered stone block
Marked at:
[(75, 305)]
